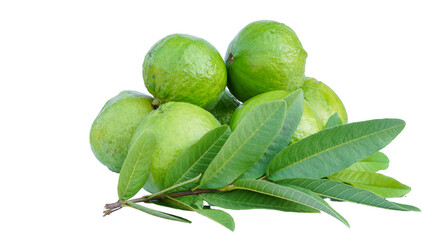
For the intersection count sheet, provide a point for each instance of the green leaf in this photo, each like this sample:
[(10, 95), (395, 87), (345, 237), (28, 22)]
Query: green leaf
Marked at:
[(377, 183), (375, 162), (333, 121), (245, 145), (175, 187), (332, 150), (157, 213), (195, 159), (340, 191), (195, 201), (243, 200), (408, 207), (291, 193), (136, 167), (216, 215), (293, 115)]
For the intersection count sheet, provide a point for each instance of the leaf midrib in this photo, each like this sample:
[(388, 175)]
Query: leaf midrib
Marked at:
[(134, 166), (198, 159), (282, 197), (241, 145), (333, 147), (302, 203)]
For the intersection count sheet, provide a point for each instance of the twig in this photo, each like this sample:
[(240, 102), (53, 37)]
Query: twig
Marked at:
[(112, 207)]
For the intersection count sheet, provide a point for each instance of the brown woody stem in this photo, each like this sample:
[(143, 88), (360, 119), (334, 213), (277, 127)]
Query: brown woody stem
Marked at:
[(112, 207)]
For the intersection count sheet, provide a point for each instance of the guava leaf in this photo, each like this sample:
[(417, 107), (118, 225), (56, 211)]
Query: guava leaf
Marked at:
[(332, 150), (195, 159), (135, 170), (245, 145), (340, 191), (293, 115), (243, 200), (291, 193), (333, 121), (377, 183), (216, 215), (174, 188), (157, 213), (375, 162)]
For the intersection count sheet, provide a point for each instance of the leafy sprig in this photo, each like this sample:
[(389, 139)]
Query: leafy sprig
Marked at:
[(254, 167)]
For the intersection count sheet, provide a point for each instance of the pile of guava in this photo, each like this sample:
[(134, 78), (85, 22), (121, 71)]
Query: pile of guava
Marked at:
[(195, 90)]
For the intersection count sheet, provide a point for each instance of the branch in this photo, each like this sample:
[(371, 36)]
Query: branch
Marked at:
[(112, 207)]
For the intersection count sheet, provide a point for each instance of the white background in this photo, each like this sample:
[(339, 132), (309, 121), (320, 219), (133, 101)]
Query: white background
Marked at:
[(60, 61)]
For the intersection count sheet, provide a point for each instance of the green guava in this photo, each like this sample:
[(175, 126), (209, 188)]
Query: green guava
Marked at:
[(176, 125), (264, 56), (184, 68), (323, 100), (309, 123), (114, 126), (225, 108)]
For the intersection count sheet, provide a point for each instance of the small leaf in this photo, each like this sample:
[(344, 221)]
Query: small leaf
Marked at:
[(340, 191), (245, 145), (291, 193), (333, 121), (157, 213), (293, 115), (174, 187), (216, 215), (135, 170), (332, 150), (375, 162), (195, 159), (377, 183), (242, 200), (195, 201)]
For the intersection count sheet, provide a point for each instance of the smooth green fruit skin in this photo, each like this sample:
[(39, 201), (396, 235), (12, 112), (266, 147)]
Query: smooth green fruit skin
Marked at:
[(323, 100), (309, 123), (225, 108), (114, 126), (176, 125), (184, 68), (264, 56)]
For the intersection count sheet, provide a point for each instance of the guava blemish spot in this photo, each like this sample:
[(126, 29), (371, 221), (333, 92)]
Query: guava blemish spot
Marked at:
[(153, 76), (231, 58), (155, 106)]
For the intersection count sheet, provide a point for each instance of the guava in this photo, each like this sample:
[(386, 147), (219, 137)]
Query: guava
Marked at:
[(323, 100), (308, 125), (176, 125), (184, 68), (265, 56), (114, 126), (225, 108)]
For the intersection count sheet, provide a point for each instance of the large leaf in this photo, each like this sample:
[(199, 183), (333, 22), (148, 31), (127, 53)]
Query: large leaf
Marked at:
[(242, 200), (291, 193), (216, 215), (377, 183), (195, 159), (157, 213), (340, 191), (135, 170), (332, 150), (293, 115), (245, 145), (376, 162)]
